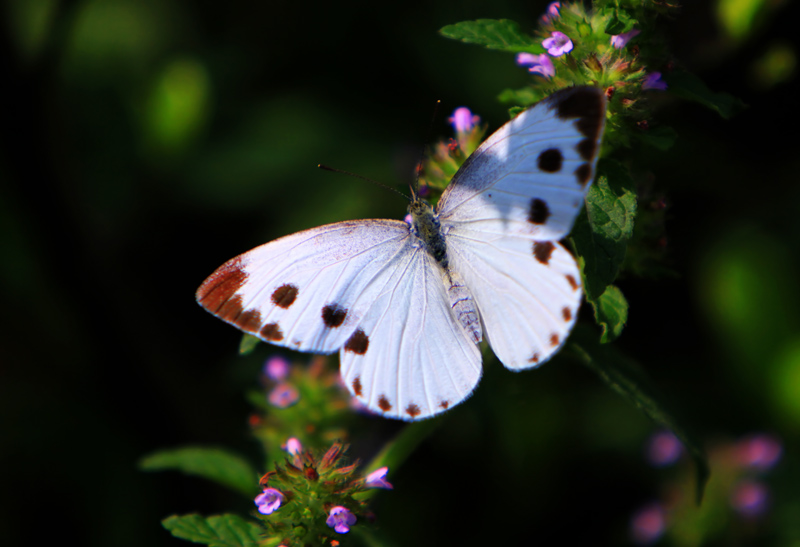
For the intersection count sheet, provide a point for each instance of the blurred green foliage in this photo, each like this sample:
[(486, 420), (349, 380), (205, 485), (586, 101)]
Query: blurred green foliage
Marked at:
[(145, 142)]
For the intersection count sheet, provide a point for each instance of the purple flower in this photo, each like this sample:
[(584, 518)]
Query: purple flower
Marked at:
[(653, 81), (648, 524), (760, 452), (269, 501), (558, 44), (283, 395), (750, 498), (538, 64), (341, 519), (292, 446), (377, 479), (277, 368), (619, 41), (551, 12), (664, 449), (463, 120)]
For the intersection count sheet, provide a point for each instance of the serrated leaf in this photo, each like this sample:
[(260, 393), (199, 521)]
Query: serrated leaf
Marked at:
[(602, 230), (501, 34), (216, 531), (214, 464), (627, 379), (688, 86), (248, 344), (661, 137), (611, 313)]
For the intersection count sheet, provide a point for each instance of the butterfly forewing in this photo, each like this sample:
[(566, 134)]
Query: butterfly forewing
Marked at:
[(529, 178), (310, 290)]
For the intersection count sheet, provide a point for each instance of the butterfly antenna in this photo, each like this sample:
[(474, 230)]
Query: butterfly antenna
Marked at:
[(428, 133), (343, 172)]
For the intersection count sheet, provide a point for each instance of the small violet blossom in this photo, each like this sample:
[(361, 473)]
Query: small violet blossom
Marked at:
[(277, 368), (551, 12), (648, 524), (760, 452), (750, 498), (558, 44), (292, 446), (538, 64), (619, 41), (341, 519), (664, 449), (284, 395), (653, 81), (269, 501), (377, 479), (463, 120)]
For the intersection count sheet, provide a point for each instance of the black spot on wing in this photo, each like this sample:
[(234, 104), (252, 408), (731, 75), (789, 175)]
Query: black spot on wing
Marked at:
[(550, 160), (271, 332), (357, 343), (384, 403), (542, 251), (539, 211), (412, 410), (284, 296), (584, 174), (333, 315), (357, 386), (586, 105)]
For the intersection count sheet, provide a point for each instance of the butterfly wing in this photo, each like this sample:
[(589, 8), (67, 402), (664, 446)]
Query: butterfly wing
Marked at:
[(529, 178), (527, 293), (412, 360), (504, 212), (365, 287)]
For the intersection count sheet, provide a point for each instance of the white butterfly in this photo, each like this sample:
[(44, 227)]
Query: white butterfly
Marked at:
[(407, 305)]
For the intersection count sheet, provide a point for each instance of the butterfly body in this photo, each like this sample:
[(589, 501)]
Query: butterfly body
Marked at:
[(406, 305)]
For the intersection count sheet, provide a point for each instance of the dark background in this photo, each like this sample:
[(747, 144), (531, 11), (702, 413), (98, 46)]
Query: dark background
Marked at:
[(118, 197)]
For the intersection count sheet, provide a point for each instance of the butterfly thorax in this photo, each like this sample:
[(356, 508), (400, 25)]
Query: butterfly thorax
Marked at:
[(426, 227)]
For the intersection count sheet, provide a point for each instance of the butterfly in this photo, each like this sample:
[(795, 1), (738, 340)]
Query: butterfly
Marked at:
[(407, 305)]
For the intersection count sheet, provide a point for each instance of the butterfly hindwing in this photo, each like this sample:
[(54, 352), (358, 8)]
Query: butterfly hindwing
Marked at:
[(419, 361), (527, 293)]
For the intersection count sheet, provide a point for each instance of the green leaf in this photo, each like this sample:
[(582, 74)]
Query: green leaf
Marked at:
[(629, 380), (524, 97), (688, 86), (621, 21), (602, 230), (248, 344), (611, 313), (214, 464), (501, 34), (215, 531), (661, 137)]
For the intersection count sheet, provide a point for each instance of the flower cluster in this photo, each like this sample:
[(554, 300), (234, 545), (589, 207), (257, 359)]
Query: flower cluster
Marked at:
[(297, 396), (737, 487), (574, 48), (445, 157), (307, 499)]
